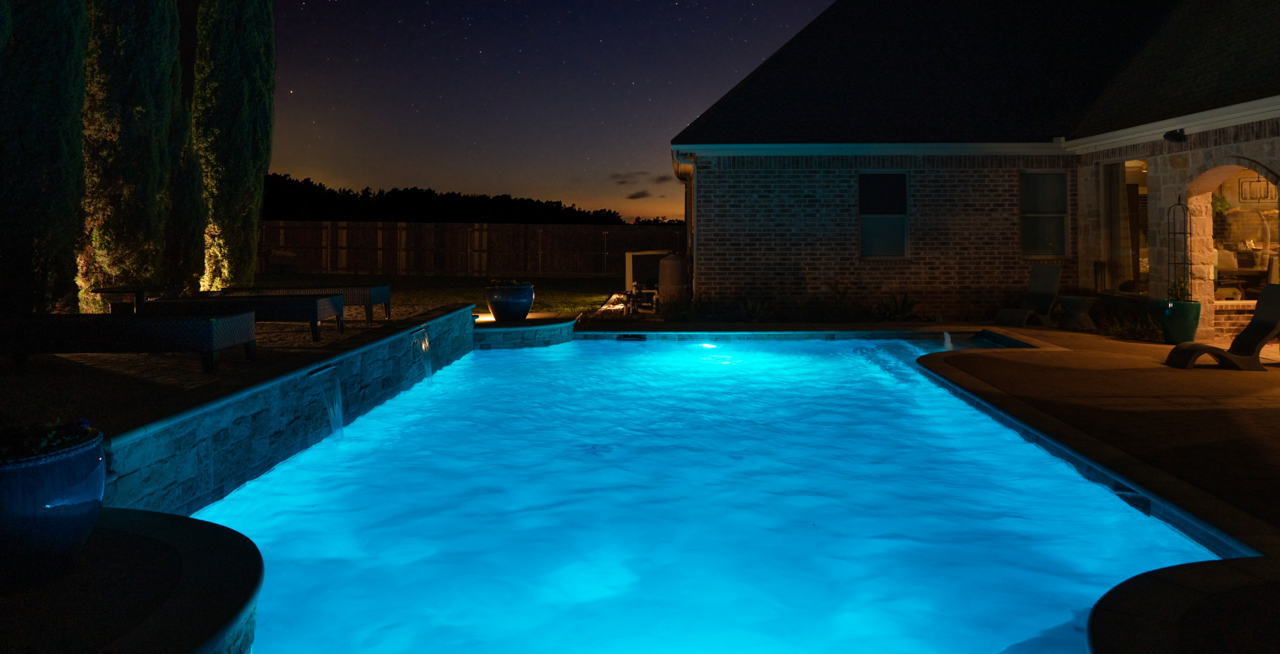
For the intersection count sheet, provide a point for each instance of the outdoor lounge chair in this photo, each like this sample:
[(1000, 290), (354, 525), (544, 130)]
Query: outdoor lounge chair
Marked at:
[(352, 296), (105, 333), (1247, 345), (1042, 294), (276, 308)]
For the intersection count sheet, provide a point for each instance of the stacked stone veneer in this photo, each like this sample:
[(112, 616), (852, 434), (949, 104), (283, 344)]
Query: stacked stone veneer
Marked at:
[(784, 228), (184, 462), (495, 337)]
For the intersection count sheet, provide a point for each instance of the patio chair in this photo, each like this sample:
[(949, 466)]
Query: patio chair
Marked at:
[(1246, 348), (1042, 295)]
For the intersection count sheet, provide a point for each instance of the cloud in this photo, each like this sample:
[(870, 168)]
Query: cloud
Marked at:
[(663, 179), (638, 195), (622, 179)]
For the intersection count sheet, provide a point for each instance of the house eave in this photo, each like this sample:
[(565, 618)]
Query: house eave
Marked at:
[(1238, 114), (866, 149)]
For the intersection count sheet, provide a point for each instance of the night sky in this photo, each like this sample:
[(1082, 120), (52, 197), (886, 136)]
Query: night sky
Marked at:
[(550, 99)]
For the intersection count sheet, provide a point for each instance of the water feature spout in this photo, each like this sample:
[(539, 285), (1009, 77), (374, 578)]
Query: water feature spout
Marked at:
[(420, 350), (946, 341), (331, 394)]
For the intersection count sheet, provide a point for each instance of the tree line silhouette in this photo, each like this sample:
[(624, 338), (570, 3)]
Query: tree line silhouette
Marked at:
[(286, 198)]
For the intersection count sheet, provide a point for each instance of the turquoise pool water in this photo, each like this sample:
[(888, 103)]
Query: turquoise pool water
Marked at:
[(663, 497)]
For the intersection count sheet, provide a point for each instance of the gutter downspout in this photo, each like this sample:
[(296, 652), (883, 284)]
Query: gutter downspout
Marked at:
[(685, 169)]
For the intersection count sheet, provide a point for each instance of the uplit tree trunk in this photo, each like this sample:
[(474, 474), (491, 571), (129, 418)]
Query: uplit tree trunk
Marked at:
[(41, 152), (130, 70), (234, 84)]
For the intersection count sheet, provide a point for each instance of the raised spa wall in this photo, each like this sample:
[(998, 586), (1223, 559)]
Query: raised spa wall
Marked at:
[(186, 461)]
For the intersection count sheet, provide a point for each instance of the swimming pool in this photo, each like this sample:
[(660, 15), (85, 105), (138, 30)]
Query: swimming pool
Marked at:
[(795, 496)]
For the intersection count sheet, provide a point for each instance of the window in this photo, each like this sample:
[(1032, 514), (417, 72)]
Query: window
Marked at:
[(882, 209), (1044, 214)]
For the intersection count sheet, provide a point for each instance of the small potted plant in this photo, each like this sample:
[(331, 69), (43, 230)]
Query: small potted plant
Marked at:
[(1179, 315), (51, 482), (509, 299)]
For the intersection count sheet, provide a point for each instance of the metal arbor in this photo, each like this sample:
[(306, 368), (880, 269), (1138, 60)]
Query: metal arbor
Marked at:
[(1177, 220)]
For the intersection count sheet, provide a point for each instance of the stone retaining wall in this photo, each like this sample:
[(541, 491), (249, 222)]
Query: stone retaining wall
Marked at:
[(187, 461), (489, 337)]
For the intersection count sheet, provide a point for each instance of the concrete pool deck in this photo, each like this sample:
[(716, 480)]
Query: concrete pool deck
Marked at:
[(1206, 440)]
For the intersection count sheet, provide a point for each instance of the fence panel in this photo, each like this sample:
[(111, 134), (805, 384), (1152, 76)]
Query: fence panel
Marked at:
[(459, 249)]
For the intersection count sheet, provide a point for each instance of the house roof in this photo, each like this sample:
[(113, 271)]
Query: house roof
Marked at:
[(1208, 54), (935, 71)]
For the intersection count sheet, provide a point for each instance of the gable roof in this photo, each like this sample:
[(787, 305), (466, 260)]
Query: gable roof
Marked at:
[(934, 71), (1208, 54)]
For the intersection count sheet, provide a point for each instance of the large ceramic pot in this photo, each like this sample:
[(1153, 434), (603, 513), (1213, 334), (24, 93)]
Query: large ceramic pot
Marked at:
[(510, 302), (48, 504), (1179, 321)]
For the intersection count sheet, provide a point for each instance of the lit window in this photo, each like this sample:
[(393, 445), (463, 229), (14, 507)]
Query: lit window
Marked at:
[(882, 210), (1044, 214)]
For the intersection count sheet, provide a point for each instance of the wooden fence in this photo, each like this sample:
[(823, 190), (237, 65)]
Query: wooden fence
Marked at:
[(459, 249)]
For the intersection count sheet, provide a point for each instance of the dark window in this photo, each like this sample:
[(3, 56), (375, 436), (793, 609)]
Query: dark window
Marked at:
[(882, 209), (1044, 214)]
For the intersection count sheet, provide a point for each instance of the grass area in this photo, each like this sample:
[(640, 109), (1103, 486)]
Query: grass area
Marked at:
[(551, 295)]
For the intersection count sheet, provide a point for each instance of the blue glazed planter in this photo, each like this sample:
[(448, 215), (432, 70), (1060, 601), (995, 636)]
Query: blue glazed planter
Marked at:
[(1179, 321), (509, 302), (48, 504)]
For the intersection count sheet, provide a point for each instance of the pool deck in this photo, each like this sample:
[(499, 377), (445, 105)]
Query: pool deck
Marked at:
[(1206, 440)]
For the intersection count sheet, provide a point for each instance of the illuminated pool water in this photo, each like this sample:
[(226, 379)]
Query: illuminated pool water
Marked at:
[(662, 497)]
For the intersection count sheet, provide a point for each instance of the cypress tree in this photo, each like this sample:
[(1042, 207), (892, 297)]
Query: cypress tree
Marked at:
[(188, 213), (234, 85), (131, 60), (41, 153)]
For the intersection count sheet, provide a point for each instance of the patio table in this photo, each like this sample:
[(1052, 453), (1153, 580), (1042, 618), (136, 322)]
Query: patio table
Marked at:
[(352, 296), (292, 308)]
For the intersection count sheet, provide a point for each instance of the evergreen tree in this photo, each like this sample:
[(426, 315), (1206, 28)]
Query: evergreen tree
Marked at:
[(188, 213), (41, 152), (234, 84), (130, 68)]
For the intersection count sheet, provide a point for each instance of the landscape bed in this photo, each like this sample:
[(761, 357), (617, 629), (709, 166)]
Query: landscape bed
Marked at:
[(596, 496)]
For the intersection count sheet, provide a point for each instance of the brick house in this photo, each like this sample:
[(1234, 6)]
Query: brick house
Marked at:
[(943, 148)]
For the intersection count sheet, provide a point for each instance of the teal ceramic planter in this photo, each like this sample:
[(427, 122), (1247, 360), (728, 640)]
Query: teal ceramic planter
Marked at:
[(1179, 321)]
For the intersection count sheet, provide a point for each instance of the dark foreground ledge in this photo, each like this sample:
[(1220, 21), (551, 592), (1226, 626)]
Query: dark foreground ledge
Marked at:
[(145, 583)]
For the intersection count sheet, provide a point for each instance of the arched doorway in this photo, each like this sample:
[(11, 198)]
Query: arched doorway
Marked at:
[(1233, 243)]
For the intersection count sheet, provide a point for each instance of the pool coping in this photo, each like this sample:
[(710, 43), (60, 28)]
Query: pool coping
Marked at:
[(420, 322), (1136, 495)]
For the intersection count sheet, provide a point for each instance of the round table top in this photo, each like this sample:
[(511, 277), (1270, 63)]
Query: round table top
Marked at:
[(144, 582)]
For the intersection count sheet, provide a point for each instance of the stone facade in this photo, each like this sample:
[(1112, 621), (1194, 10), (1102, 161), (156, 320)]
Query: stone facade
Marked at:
[(785, 228), (187, 461), (1186, 171)]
